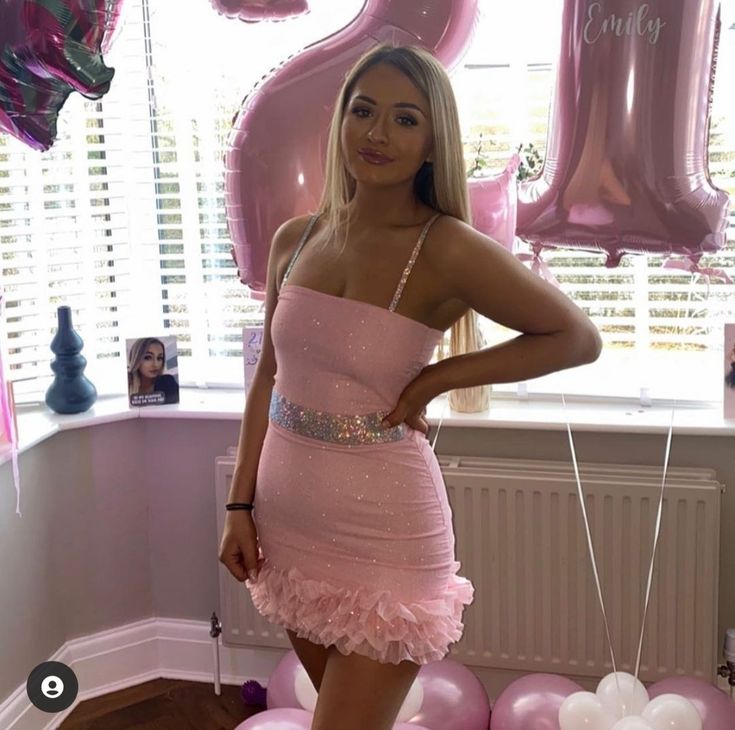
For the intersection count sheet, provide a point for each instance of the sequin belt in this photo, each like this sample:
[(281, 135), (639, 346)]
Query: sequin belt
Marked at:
[(337, 428)]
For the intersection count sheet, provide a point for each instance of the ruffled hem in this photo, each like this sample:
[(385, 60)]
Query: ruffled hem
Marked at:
[(373, 623)]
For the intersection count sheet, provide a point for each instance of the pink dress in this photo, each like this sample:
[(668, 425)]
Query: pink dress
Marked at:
[(353, 520)]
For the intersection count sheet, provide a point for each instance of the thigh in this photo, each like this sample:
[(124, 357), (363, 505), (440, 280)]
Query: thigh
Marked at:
[(359, 693), (312, 656)]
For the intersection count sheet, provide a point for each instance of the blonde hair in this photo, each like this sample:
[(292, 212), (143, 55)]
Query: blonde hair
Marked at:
[(135, 358), (441, 185)]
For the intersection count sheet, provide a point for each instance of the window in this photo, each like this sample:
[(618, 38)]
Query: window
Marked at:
[(124, 218)]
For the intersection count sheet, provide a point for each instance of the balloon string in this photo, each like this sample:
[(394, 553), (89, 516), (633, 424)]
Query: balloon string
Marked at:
[(655, 541), (661, 499), (441, 418), (589, 537), (591, 548)]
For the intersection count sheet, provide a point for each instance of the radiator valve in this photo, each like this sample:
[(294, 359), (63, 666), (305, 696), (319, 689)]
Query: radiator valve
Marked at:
[(728, 669)]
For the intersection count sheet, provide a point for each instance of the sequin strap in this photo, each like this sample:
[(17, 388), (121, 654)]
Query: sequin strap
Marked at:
[(302, 241), (409, 265), (348, 430)]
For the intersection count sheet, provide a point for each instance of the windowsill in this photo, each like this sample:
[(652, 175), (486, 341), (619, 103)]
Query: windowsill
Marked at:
[(36, 423)]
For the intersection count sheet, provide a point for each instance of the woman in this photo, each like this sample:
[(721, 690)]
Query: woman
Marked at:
[(730, 377), (352, 517), (146, 362)]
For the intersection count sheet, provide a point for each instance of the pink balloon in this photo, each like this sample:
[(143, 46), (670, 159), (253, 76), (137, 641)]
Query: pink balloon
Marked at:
[(454, 698), (715, 708), (494, 203), (626, 161), (287, 718), (7, 432), (284, 718), (253, 11), (273, 165), (532, 703)]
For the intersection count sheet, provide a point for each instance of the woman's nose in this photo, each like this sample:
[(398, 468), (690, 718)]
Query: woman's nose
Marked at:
[(378, 132)]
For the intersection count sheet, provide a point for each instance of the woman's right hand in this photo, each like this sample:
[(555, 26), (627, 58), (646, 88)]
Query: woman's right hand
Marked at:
[(238, 549)]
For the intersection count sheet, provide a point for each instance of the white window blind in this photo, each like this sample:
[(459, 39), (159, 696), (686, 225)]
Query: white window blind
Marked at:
[(124, 218)]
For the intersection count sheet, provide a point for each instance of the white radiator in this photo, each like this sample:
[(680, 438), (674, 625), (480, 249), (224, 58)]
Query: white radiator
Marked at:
[(520, 539)]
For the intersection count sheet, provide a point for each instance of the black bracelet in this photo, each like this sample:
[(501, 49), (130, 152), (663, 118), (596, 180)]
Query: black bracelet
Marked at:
[(239, 505)]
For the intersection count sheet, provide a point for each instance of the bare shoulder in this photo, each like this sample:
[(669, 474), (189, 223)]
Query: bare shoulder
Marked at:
[(486, 276), (284, 242)]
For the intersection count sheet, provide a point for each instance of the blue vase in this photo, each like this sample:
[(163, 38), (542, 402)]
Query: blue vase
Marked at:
[(71, 391)]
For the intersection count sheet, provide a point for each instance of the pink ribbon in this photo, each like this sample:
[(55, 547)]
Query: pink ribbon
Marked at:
[(538, 265), (7, 423)]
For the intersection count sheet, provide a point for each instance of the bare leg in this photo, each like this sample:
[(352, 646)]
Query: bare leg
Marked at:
[(358, 693), (312, 656)]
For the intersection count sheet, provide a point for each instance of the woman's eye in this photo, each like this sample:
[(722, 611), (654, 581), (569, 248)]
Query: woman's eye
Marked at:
[(412, 122)]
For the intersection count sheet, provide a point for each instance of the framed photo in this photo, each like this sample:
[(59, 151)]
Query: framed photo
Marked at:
[(729, 379), (153, 371)]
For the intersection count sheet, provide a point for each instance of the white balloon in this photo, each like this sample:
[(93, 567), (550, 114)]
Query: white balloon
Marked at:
[(304, 689), (633, 722), (583, 711), (672, 712), (631, 699), (412, 704)]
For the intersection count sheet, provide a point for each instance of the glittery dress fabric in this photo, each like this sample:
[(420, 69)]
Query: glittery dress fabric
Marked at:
[(356, 538)]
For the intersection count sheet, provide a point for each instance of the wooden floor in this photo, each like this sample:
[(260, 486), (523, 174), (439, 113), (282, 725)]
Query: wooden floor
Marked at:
[(163, 704)]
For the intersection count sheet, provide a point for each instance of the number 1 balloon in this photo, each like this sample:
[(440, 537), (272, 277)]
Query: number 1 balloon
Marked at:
[(626, 160)]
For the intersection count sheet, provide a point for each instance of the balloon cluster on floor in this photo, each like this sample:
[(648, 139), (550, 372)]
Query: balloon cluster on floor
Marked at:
[(49, 48), (444, 696), (552, 702)]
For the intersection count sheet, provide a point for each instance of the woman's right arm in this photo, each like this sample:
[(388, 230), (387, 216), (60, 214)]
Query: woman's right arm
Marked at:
[(257, 404)]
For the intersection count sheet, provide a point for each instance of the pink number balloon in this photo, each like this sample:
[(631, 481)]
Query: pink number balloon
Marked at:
[(49, 48), (253, 11), (626, 162), (273, 165)]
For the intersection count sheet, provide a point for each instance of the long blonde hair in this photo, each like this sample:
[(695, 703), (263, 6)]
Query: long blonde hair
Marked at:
[(441, 185), (135, 358)]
